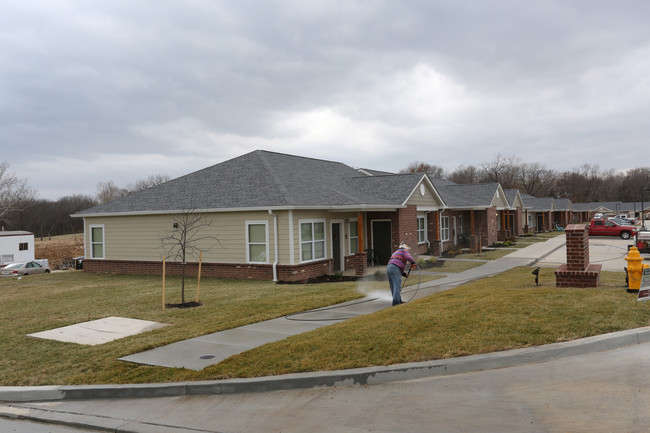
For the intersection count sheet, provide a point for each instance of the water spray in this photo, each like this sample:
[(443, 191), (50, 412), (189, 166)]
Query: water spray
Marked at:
[(334, 307)]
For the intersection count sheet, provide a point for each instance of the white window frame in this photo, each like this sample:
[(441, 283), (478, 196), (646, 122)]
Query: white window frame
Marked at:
[(444, 228), (422, 231), (93, 243), (249, 243), (313, 241), (353, 240)]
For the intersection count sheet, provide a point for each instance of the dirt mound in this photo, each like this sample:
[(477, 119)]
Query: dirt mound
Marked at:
[(59, 248)]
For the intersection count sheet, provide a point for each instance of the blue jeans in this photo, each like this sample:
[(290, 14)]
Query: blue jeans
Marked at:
[(395, 281)]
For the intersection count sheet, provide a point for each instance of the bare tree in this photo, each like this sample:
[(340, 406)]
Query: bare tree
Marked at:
[(535, 179), (433, 171), (150, 181), (15, 194), (186, 239), (108, 191), (465, 175), (502, 169)]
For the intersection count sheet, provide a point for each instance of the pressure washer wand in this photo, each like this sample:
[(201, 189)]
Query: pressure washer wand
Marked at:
[(406, 277)]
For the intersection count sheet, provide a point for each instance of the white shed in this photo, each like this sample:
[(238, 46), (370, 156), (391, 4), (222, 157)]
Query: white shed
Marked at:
[(16, 246)]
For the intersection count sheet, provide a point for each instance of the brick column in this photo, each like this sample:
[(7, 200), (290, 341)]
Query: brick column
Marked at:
[(577, 247), (577, 272)]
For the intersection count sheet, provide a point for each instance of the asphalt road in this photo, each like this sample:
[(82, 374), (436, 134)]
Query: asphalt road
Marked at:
[(599, 392)]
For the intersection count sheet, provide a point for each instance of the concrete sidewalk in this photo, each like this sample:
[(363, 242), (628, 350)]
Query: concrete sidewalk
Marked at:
[(198, 353)]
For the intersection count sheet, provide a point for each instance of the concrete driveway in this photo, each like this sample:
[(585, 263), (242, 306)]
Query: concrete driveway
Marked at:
[(610, 252)]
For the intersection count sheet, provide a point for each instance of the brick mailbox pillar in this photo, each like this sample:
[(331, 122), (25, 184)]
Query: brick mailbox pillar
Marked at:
[(577, 272)]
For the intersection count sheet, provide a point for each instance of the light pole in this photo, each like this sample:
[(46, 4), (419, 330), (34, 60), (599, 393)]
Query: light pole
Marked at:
[(642, 208)]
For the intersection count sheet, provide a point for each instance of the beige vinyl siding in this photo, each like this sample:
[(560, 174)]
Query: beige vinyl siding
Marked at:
[(318, 215), (500, 202), (139, 237), (428, 199)]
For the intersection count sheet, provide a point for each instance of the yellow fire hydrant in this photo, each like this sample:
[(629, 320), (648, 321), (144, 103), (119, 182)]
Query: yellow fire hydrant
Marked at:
[(634, 269)]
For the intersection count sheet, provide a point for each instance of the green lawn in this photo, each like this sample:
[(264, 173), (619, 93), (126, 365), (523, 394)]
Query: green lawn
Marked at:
[(498, 313)]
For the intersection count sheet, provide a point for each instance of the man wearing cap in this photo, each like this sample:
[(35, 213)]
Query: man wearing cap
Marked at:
[(395, 271)]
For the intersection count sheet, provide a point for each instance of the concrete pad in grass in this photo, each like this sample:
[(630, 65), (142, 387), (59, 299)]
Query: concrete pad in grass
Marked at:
[(98, 331)]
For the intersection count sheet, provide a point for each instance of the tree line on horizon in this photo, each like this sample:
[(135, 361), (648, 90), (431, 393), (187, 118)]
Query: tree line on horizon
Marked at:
[(584, 184), (21, 209)]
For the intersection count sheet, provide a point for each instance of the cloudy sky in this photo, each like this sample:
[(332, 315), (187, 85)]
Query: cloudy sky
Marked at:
[(117, 90)]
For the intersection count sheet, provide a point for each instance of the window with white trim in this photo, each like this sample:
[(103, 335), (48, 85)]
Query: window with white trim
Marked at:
[(422, 229), (257, 242), (444, 228), (353, 228), (97, 241), (312, 240)]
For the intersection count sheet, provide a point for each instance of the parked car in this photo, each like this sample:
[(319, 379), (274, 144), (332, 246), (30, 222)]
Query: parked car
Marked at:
[(601, 227), (629, 219), (19, 269), (621, 221)]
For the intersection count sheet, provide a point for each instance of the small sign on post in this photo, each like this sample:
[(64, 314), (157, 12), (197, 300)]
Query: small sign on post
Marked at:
[(644, 289)]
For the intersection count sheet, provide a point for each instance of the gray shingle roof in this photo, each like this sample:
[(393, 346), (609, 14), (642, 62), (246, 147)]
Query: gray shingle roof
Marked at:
[(262, 179), (511, 196), (479, 195), (538, 204)]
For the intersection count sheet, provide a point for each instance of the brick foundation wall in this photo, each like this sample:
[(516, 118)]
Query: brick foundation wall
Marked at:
[(243, 271), (358, 262)]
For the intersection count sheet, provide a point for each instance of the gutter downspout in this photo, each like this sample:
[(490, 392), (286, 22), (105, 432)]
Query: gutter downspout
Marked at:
[(439, 229), (275, 245)]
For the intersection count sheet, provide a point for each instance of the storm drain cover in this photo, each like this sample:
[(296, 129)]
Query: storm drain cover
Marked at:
[(207, 357)]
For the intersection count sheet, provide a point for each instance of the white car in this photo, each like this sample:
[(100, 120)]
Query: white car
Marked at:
[(20, 269)]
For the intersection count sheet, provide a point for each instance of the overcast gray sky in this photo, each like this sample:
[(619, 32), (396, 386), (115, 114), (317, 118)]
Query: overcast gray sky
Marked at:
[(117, 90)]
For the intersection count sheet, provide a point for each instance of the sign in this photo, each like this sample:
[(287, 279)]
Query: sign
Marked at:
[(644, 289)]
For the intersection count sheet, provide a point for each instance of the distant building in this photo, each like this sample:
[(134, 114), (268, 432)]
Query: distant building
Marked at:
[(16, 246)]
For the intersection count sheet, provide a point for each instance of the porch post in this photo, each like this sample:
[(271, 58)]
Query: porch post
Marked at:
[(472, 222), (360, 231)]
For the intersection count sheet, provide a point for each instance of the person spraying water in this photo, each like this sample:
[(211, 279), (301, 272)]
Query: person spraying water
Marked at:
[(396, 269)]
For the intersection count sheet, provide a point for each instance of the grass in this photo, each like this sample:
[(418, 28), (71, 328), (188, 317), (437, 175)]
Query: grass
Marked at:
[(497, 313)]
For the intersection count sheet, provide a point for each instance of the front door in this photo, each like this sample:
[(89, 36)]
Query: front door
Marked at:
[(381, 241), (336, 246)]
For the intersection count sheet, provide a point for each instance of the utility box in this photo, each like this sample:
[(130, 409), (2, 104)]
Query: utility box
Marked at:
[(16, 246), (643, 241)]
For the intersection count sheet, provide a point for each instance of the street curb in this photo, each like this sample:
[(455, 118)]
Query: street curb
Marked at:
[(358, 376)]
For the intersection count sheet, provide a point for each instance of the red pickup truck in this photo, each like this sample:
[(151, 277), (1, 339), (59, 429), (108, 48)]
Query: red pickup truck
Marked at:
[(601, 227)]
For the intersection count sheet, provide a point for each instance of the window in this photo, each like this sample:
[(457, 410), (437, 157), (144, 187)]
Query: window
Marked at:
[(444, 228), (312, 240), (422, 229), (23, 246), (257, 250), (97, 242), (354, 236)]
